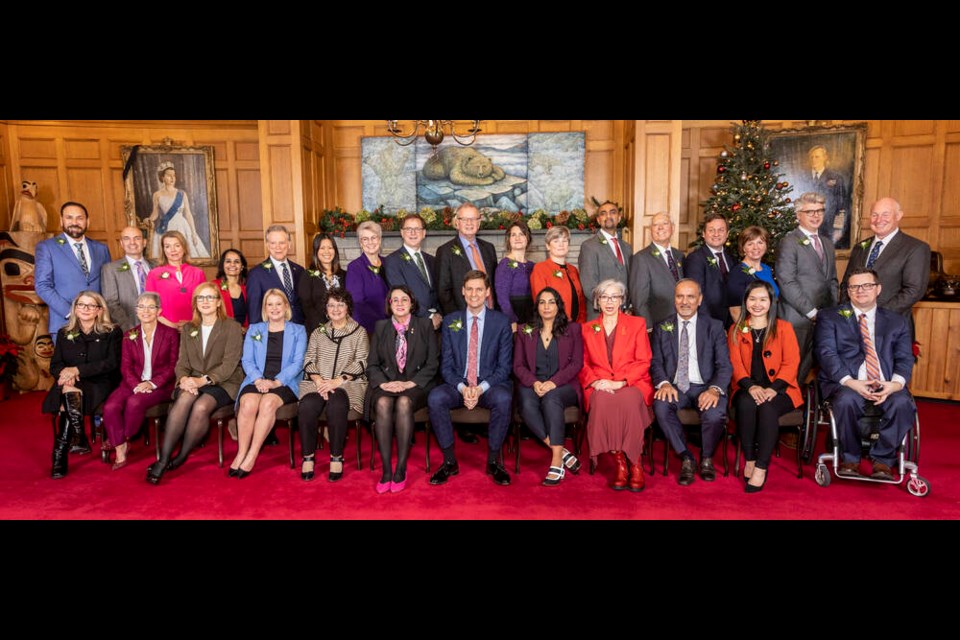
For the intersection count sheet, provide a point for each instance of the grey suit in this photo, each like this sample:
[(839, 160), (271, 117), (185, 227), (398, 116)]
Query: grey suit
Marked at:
[(904, 270), (119, 286), (651, 284), (597, 263), (805, 284)]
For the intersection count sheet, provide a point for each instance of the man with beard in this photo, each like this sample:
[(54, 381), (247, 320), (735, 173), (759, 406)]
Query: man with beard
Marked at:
[(604, 256), (68, 263)]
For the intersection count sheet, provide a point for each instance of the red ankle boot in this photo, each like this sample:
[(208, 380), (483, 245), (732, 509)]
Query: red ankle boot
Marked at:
[(620, 482)]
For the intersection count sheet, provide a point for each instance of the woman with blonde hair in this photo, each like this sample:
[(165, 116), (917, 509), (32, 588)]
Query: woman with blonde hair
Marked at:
[(174, 280)]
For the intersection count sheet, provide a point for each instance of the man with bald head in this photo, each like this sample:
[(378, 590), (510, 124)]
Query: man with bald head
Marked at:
[(654, 271), (123, 280), (901, 261)]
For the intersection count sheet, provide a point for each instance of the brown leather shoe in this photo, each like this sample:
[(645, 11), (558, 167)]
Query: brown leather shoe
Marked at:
[(849, 469), (620, 481), (636, 478), (881, 471)]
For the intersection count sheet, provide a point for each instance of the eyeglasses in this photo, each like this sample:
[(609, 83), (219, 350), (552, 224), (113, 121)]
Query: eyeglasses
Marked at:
[(812, 211), (206, 298), (336, 305), (88, 307), (606, 298), (412, 229), (399, 300), (147, 307), (861, 287), (469, 219)]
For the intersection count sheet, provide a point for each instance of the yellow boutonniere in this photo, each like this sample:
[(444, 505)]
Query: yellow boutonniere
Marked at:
[(258, 336), (165, 275), (61, 241), (655, 253), (267, 265), (558, 273), (846, 313), (125, 266), (456, 251), (194, 333), (133, 334), (527, 329), (72, 335), (374, 269), (746, 329), (596, 328)]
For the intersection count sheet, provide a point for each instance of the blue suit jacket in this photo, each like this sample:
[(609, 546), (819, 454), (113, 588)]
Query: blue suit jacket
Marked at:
[(261, 280), (59, 277), (711, 282), (291, 364), (496, 349), (840, 352), (400, 271), (713, 355)]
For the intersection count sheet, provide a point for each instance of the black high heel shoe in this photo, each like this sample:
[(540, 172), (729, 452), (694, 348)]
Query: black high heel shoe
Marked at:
[(307, 476), (155, 472), (241, 473), (233, 473), (750, 488), (333, 476)]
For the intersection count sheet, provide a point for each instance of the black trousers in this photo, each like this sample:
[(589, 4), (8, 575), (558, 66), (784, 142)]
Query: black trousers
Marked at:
[(311, 406)]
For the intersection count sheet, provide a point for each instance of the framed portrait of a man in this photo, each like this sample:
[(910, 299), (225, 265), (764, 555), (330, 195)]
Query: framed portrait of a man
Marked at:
[(171, 188), (829, 161)]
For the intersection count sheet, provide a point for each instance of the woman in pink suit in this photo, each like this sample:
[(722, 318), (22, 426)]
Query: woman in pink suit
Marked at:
[(149, 355), (617, 390), (175, 280)]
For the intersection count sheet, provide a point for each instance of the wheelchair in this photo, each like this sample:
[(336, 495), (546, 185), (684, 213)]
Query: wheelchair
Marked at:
[(908, 454)]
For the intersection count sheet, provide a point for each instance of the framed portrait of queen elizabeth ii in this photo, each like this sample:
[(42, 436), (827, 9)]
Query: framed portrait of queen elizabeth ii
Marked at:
[(171, 188)]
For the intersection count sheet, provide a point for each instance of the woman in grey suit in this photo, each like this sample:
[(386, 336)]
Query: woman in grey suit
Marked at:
[(208, 376)]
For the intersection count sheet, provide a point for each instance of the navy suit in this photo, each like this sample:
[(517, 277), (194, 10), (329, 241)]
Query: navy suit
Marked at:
[(713, 358), (262, 279), (401, 271), (841, 352), (59, 277), (494, 368), (713, 285)]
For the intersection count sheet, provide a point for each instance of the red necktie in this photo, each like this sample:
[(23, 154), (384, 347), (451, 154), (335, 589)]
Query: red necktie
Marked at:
[(616, 245), (472, 352)]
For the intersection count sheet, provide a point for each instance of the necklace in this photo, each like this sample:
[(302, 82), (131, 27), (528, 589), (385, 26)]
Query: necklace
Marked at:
[(757, 334)]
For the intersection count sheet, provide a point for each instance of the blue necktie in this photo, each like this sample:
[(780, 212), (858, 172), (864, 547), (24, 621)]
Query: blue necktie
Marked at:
[(874, 253)]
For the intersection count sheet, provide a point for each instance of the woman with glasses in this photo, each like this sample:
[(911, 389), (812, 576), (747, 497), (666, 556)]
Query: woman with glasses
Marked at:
[(174, 280), (616, 383), (208, 375), (335, 366), (753, 243), (404, 360), (232, 281), (323, 275), (556, 273), (366, 280), (547, 357), (147, 367), (513, 276), (86, 367)]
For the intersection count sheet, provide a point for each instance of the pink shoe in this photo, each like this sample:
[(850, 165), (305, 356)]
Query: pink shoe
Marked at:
[(383, 487), (397, 487)]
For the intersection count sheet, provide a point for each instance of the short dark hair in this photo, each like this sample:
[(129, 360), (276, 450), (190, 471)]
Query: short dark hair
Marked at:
[(221, 274), (710, 217), (476, 274), (414, 305), (859, 271), (335, 264), (519, 224), (71, 203), (343, 296)]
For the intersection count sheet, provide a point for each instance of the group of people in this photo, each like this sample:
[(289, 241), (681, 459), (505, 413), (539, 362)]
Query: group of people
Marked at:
[(394, 334)]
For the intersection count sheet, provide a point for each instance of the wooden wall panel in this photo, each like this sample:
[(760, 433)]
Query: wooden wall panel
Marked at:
[(8, 192), (38, 148)]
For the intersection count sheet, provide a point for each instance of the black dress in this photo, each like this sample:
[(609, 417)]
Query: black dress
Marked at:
[(312, 291), (96, 356), (272, 366)]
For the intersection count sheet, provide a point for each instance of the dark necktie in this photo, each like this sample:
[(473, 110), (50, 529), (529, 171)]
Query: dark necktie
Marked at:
[(422, 267), (722, 264), (874, 254), (82, 258), (673, 265), (287, 282), (818, 247)]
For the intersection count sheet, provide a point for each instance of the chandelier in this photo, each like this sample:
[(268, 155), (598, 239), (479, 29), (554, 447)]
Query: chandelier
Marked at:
[(434, 131)]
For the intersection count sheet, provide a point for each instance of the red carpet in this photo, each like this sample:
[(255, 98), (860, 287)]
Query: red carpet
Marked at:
[(201, 490)]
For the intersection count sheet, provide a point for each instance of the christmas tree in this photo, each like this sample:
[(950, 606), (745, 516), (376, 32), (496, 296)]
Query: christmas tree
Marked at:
[(748, 189)]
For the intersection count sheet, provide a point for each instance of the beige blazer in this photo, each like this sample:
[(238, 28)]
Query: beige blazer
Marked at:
[(222, 359)]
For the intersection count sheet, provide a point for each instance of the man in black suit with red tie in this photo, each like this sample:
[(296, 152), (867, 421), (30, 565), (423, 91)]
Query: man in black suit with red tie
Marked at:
[(866, 355)]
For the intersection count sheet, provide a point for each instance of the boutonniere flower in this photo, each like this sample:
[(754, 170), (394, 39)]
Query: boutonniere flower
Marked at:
[(72, 335), (374, 269), (713, 262), (258, 336), (313, 273), (406, 256), (61, 241), (601, 239), (323, 329), (267, 265), (125, 266), (456, 251), (194, 333), (165, 275), (527, 329), (846, 313), (596, 328), (666, 326), (864, 244), (655, 253), (456, 325), (558, 273), (224, 286), (748, 270), (513, 264), (746, 329), (133, 334), (805, 242)]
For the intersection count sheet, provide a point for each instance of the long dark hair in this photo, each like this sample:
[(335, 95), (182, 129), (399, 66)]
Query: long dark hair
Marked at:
[(221, 274), (744, 321), (335, 264), (560, 322)]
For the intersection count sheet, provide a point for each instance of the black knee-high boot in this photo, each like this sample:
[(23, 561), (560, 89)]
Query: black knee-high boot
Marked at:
[(61, 445), (73, 402)]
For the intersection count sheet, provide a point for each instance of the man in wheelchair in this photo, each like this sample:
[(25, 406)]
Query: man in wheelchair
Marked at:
[(866, 358)]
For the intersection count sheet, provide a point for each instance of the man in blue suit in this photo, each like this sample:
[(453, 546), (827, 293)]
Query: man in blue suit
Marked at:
[(476, 361), (691, 369), (68, 264), (709, 266), (866, 355), (276, 272), (411, 266)]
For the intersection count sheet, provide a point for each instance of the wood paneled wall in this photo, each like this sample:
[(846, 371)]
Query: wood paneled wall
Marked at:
[(80, 160), (604, 169)]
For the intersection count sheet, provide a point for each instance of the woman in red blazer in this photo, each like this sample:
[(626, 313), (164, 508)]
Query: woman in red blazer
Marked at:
[(547, 358), (148, 358), (616, 384), (555, 272), (231, 281), (765, 357)]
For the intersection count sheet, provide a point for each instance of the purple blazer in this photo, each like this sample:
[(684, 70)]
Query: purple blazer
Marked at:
[(166, 350), (570, 356), (369, 292)]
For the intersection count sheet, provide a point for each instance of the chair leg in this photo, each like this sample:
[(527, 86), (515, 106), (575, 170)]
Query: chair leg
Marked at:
[(736, 461), (292, 425), (666, 454), (220, 443), (516, 439), (726, 465), (648, 436), (800, 453), (356, 425), (426, 438), (373, 443), (156, 439)]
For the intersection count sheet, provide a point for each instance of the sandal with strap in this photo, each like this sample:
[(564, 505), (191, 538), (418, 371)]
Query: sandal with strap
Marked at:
[(570, 462), (334, 476), (557, 473), (307, 474)]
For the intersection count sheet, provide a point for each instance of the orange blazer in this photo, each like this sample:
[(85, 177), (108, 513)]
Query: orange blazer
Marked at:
[(544, 275), (781, 356), (631, 356)]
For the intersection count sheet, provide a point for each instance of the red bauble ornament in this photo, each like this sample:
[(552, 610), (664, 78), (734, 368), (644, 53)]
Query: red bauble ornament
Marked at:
[(766, 165), (721, 169), (735, 207), (779, 186)]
